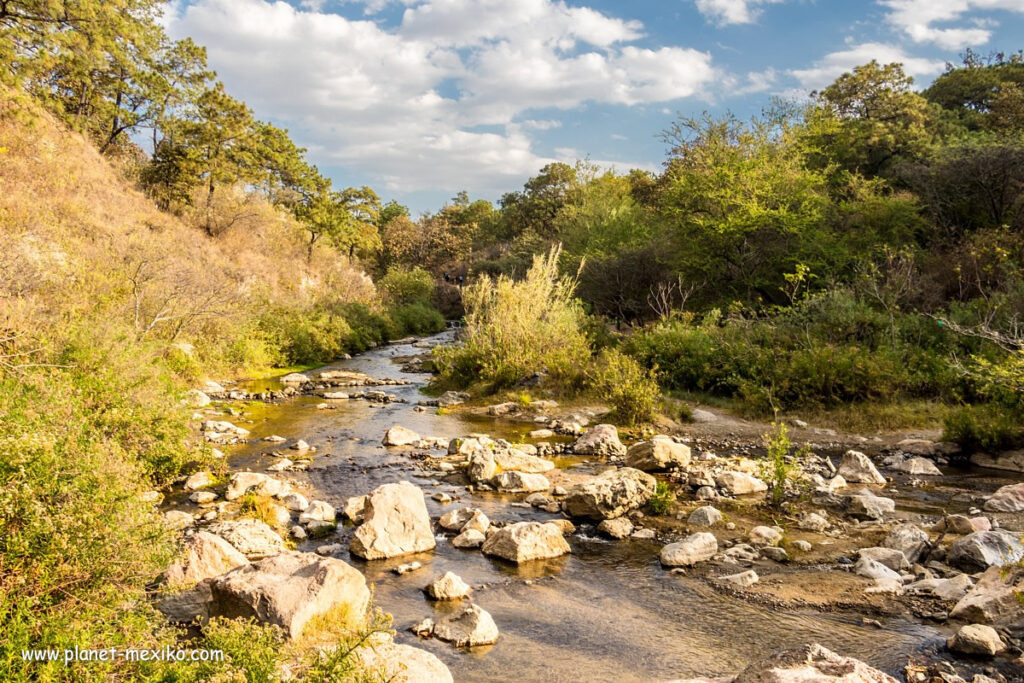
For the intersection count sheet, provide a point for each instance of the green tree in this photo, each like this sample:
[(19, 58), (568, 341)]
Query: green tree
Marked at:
[(869, 118)]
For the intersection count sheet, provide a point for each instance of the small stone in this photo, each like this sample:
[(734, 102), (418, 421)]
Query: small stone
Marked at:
[(691, 550), (617, 528), (470, 626), (471, 538), (761, 536), (448, 587), (203, 497), (407, 567), (705, 516), (329, 549), (743, 579)]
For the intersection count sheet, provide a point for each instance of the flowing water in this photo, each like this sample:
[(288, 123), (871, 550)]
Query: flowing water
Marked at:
[(607, 612)]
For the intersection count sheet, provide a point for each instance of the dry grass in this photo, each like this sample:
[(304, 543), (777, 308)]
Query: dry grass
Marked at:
[(78, 242)]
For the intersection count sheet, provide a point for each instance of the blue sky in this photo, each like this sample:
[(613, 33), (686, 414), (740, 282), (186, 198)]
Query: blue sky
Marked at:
[(422, 98)]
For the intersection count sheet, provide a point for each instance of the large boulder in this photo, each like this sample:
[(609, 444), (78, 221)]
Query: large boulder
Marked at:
[(994, 599), (976, 639), (395, 523), (251, 537), (1012, 461), (890, 557), (858, 469), (187, 605), (205, 556), (289, 589), (400, 436), (600, 440), (242, 483), (467, 627), (520, 482), (691, 550), (610, 494), (919, 466), (525, 541), (740, 483), (515, 459), (866, 505), (908, 539), (954, 588), (811, 664), (481, 466), (660, 453), (984, 549), (454, 520), (1007, 499), (403, 663)]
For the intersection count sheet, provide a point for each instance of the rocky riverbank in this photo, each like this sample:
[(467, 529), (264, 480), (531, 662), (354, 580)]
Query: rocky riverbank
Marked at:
[(885, 532)]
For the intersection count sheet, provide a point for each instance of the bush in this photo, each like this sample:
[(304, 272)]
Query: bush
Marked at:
[(416, 318), (828, 351), (985, 428), (74, 454), (661, 502), (631, 389), (515, 328), (402, 286)]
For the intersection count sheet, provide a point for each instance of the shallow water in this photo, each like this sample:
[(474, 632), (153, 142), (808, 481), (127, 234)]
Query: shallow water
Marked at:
[(607, 612)]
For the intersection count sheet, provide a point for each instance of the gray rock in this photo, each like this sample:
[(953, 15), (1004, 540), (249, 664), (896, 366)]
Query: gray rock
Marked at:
[(984, 549), (890, 557), (618, 528), (1007, 499), (242, 483), (251, 537), (400, 436), (600, 440), (610, 494), (525, 541), (467, 627), (918, 466), (811, 664), (395, 523), (994, 599), (520, 482), (858, 468), (448, 587), (865, 505), (704, 516), (740, 483), (743, 579), (976, 639), (290, 589), (204, 556), (471, 538), (659, 453), (908, 539), (695, 548)]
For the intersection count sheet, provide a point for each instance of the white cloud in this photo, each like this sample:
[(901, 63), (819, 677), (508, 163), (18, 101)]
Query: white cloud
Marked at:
[(916, 18), (834, 64), (406, 105), (724, 12)]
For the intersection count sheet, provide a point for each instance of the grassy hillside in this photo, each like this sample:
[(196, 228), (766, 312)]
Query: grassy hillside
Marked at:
[(109, 311)]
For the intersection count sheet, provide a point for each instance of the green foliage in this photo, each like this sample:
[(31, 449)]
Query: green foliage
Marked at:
[(985, 428), (779, 468), (662, 500), (252, 651), (514, 328), (74, 455), (630, 388), (404, 286), (828, 350), (416, 318)]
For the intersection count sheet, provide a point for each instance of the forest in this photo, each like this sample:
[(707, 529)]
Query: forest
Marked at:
[(853, 258)]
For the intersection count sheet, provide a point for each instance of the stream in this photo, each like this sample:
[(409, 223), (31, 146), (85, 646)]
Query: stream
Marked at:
[(607, 612)]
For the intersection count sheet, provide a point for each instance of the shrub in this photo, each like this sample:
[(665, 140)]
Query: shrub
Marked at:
[(779, 468), (402, 286), (76, 538), (514, 328), (984, 428), (661, 502), (631, 389), (416, 318)]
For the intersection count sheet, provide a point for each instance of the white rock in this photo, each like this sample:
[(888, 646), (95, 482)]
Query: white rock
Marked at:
[(448, 587), (743, 579), (858, 468), (468, 626), (525, 541), (976, 639), (400, 436), (395, 523), (691, 550)]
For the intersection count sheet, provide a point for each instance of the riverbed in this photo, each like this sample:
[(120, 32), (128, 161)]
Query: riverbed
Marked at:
[(607, 612)]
